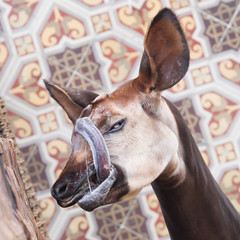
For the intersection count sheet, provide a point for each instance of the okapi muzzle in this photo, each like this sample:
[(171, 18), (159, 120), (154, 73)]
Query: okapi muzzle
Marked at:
[(90, 190)]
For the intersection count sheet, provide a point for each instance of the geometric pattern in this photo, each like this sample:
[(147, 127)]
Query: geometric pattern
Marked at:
[(97, 45), (36, 167), (74, 74), (126, 215), (185, 106), (58, 25), (223, 36)]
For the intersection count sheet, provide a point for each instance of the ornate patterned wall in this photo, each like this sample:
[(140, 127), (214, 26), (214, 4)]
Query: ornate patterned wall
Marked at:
[(97, 45)]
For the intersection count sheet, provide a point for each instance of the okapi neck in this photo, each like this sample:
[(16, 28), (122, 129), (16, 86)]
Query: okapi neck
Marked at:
[(196, 208)]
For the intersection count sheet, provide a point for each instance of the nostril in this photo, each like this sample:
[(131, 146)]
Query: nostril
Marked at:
[(59, 190), (62, 189)]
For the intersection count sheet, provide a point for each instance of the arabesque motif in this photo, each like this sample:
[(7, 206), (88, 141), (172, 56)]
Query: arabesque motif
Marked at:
[(176, 4), (179, 87), (77, 228), (22, 127), (21, 12), (123, 59), (160, 225), (230, 184), (26, 86), (139, 19), (48, 209), (223, 112), (61, 24), (60, 150), (195, 47), (230, 70)]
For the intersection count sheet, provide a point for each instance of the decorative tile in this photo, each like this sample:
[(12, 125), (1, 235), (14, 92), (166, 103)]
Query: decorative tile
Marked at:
[(48, 209), (124, 233), (76, 229), (21, 12), (3, 55), (59, 150), (102, 22), (201, 76), (177, 4), (139, 19), (135, 223), (186, 108), (223, 112), (179, 87), (230, 184), (224, 11), (109, 219), (206, 158), (22, 127), (160, 225), (230, 70), (24, 45), (36, 168), (220, 37), (48, 122), (91, 3), (26, 85), (96, 45), (66, 70), (225, 152), (123, 59), (189, 27), (61, 24), (67, 119)]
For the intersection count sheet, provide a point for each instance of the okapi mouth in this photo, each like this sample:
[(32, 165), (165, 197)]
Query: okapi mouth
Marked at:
[(90, 194), (91, 188)]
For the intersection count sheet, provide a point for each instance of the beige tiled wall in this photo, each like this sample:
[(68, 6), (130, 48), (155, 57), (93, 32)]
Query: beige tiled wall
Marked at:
[(97, 45)]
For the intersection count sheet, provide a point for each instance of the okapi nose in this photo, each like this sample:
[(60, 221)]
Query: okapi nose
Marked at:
[(62, 189)]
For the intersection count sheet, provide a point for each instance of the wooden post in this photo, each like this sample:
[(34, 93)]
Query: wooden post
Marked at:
[(16, 218)]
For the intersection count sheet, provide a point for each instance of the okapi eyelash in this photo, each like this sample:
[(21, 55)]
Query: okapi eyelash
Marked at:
[(113, 127)]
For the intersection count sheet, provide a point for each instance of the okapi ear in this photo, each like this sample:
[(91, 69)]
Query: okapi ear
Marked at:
[(73, 101), (166, 56)]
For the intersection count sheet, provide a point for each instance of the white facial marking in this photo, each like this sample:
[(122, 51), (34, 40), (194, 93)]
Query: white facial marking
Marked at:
[(145, 146)]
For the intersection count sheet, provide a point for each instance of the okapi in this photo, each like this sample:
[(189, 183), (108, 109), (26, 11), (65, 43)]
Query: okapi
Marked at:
[(134, 137)]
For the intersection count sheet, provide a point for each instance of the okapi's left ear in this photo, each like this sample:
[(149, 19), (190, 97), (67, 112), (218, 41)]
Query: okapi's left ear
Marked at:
[(72, 100), (166, 56)]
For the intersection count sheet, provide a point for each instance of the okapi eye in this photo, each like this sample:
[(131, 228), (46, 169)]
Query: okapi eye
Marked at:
[(117, 126)]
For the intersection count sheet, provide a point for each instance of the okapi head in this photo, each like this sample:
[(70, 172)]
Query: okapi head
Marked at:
[(124, 140)]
